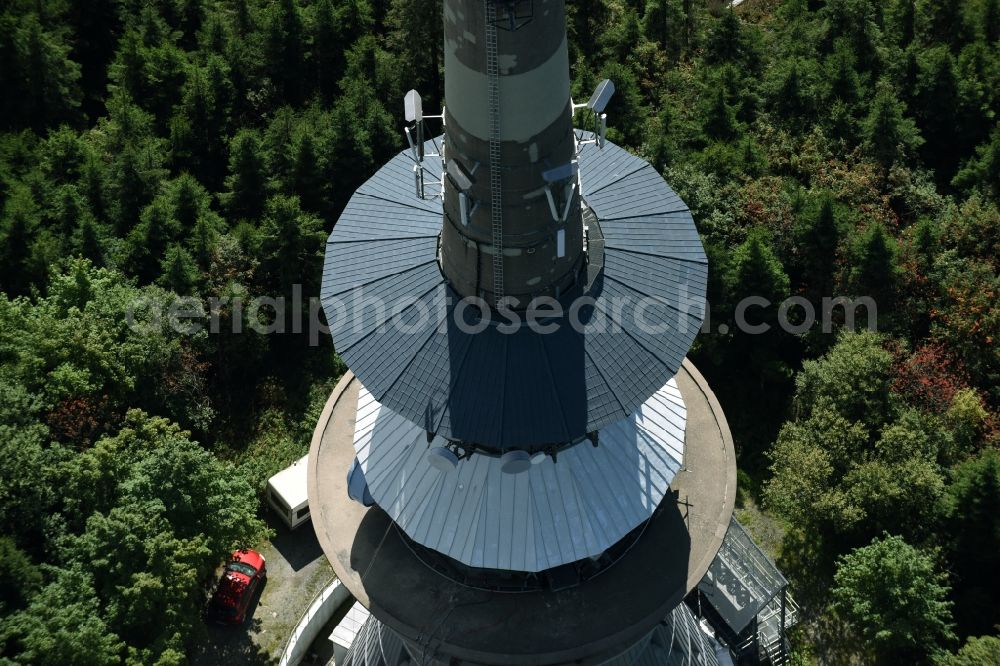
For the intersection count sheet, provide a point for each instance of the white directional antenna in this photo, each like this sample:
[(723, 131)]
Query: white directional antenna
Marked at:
[(496, 204), (463, 180), (413, 109), (598, 101), (565, 175)]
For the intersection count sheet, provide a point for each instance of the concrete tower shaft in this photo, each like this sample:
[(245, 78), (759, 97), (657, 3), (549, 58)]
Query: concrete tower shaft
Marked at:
[(511, 151)]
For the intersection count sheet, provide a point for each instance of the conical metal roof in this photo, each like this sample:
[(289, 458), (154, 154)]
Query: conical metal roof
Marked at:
[(398, 325), (554, 513)]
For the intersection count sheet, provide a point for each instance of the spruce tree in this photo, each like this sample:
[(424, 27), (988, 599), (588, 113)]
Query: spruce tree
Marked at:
[(791, 97), (214, 38), (757, 271), (188, 201), (940, 22), (86, 241), (416, 34), (291, 245), (720, 118), (16, 232), (819, 238), (202, 243), (284, 39), (663, 22), (938, 105), (724, 40), (93, 187), (147, 243), (842, 76), (875, 271), (972, 506), (192, 14), (307, 175), (180, 273), (991, 21), (982, 171), (51, 91), (131, 192), (899, 22), (69, 209), (278, 147), (327, 50), (889, 134), (245, 186)]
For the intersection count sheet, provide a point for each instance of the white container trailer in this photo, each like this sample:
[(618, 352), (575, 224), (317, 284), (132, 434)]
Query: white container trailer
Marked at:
[(287, 493)]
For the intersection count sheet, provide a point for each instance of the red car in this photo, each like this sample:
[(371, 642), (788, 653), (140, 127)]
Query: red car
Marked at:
[(243, 575)]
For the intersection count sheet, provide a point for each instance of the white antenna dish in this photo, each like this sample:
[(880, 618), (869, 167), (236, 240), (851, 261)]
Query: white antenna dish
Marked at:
[(560, 173), (413, 107), (462, 178), (602, 95), (442, 459), (357, 485), (515, 462)]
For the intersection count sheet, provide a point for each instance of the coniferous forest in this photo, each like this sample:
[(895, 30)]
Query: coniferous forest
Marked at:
[(157, 152)]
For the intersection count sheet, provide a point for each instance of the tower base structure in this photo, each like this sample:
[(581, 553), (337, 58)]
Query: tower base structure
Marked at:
[(678, 640), (617, 615)]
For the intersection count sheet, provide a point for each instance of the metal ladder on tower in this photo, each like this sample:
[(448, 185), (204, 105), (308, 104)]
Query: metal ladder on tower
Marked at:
[(496, 202)]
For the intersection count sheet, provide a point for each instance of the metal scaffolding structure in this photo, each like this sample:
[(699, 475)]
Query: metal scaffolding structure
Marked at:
[(744, 597)]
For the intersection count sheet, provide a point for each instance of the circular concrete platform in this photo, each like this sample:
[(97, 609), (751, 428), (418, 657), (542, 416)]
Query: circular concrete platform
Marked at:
[(582, 625)]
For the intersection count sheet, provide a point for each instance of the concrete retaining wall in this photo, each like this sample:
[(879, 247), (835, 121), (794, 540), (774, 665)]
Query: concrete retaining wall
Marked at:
[(315, 618)]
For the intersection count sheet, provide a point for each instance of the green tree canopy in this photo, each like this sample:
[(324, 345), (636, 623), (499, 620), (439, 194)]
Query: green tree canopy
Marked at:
[(895, 598), (972, 508), (981, 651), (63, 625), (245, 186)]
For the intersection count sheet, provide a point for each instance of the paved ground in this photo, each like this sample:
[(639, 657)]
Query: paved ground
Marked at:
[(296, 571)]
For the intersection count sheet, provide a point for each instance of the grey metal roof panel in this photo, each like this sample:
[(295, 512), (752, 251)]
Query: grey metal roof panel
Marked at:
[(553, 514), (535, 413), (507, 391), (425, 385), (368, 218), (474, 412), (357, 267), (662, 277), (625, 365), (641, 194), (523, 389), (586, 397), (604, 406), (671, 235), (387, 352), (600, 168), (395, 182), (659, 315), (355, 314)]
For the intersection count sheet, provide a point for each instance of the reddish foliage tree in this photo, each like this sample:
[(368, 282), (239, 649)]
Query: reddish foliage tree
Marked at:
[(79, 420), (930, 377)]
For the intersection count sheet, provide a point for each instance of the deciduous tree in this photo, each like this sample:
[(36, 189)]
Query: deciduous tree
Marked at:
[(895, 598)]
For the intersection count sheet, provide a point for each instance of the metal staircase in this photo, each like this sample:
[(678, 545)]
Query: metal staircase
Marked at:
[(744, 597)]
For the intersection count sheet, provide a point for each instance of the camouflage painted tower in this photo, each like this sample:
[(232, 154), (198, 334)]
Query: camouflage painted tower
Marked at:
[(495, 485), (515, 230)]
